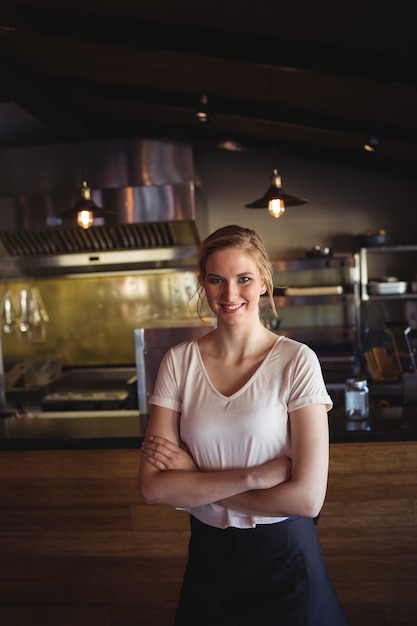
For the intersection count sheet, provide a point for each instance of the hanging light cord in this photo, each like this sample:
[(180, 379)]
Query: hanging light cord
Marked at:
[(80, 110), (272, 118)]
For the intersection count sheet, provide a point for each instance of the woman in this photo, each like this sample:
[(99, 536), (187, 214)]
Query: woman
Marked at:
[(238, 436)]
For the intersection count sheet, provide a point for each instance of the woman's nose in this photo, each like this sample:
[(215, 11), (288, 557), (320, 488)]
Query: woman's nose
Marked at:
[(229, 289)]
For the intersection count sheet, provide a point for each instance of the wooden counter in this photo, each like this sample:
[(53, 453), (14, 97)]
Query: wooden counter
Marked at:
[(77, 546)]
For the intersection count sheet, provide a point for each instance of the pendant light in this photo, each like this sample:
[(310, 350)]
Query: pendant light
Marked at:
[(85, 210), (204, 112), (371, 144), (275, 199)]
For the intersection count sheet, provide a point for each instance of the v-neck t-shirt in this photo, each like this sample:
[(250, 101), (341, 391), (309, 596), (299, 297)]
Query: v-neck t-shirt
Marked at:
[(247, 428)]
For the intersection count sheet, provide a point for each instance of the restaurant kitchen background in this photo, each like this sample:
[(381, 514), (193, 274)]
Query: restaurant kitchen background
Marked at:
[(93, 288)]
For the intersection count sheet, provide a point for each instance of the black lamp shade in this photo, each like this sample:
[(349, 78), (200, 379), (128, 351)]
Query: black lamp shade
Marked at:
[(275, 192), (85, 203)]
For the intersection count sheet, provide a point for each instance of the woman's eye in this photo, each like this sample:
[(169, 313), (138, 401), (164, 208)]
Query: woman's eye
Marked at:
[(214, 280), (244, 279)]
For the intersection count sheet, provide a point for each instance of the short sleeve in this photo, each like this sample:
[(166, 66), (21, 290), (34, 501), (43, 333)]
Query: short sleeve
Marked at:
[(166, 390), (307, 384)]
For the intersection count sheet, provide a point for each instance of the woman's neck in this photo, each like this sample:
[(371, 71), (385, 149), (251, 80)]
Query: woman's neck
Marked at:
[(241, 339)]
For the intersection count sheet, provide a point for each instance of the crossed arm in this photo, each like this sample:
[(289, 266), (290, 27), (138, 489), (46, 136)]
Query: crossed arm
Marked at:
[(168, 474)]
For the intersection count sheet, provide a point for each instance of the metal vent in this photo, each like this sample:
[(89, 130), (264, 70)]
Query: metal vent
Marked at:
[(100, 238)]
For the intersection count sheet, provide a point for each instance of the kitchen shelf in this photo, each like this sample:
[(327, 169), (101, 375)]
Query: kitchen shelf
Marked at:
[(340, 261), (326, 321), (400, 296), (335, 299), (391, 251), (376, 311)]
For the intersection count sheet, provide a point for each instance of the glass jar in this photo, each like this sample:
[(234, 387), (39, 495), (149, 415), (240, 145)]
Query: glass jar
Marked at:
[(356, 398)]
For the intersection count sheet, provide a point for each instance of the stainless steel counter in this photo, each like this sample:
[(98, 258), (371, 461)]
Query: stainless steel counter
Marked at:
[(79, 429)]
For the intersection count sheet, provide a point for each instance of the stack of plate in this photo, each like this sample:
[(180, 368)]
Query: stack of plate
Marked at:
[(388, 286)]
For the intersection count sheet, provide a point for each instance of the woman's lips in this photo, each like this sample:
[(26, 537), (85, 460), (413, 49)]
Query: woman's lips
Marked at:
[(231, 307)]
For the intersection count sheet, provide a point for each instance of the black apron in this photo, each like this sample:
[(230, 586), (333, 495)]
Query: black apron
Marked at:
[(271, 575)]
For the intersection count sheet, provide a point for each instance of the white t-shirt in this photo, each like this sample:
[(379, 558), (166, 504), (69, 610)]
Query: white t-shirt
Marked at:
[(247, 428)]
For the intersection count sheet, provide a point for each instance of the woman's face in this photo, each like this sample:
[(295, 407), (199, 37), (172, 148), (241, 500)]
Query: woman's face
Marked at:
[(233, 285)]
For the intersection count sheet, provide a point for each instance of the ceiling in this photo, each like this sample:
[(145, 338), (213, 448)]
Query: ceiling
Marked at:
[(316, 79)]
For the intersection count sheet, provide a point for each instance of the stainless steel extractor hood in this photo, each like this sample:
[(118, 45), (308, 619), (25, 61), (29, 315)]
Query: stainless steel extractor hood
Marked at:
[(147, 186), (149, 245)]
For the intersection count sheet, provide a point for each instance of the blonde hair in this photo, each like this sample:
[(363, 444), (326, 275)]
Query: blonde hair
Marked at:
[(240, 238)]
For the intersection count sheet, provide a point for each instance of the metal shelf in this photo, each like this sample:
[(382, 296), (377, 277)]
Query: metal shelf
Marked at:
[(342, 261), (400, 296), (385, 302), (342, 299), (329, 333), (388, 249), (336, 345), (364, 276)]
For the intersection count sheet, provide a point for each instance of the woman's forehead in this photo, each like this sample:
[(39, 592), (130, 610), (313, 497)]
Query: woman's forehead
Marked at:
[(230, 258)]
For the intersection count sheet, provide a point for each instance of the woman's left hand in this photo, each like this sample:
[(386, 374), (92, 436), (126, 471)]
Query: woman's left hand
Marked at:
[(165, 455)]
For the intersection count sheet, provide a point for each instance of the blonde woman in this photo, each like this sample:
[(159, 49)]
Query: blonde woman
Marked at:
[(238, 436)]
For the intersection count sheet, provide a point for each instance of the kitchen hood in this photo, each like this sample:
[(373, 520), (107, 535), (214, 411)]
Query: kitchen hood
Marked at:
[(148, 187)]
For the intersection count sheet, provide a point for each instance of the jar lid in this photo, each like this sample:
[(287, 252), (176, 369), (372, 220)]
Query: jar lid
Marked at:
[(358, 383)]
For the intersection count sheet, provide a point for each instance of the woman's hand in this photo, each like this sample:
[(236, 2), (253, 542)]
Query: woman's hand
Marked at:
[(271, 473), (263, 478), (165, 455)]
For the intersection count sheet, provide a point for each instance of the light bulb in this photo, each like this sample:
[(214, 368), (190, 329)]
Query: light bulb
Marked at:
[(276, 207), (85, 218), (372, 144)]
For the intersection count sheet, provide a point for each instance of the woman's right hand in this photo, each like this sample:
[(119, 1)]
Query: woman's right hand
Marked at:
[(166, 455)]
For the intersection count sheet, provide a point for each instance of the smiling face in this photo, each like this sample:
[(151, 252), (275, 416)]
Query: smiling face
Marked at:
[(233, 285)]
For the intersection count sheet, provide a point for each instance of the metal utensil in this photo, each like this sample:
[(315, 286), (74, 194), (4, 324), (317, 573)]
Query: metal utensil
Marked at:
[(24, 324), (405, 357), (8, 314)]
